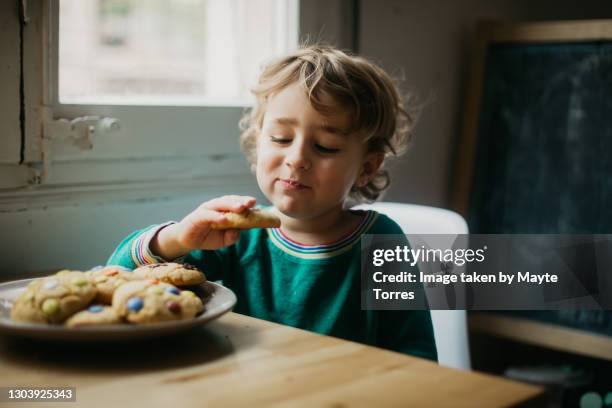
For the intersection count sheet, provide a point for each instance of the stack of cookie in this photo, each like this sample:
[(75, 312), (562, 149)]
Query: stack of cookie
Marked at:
[(111, 295)]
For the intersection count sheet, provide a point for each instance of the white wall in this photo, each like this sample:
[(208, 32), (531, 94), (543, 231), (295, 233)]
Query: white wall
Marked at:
[(429, 41)]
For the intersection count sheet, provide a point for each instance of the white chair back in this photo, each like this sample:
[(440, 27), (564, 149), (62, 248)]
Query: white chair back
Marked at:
[(450, 326)]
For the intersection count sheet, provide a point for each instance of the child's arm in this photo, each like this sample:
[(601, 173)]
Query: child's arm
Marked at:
[(123, 254), (173, 240)]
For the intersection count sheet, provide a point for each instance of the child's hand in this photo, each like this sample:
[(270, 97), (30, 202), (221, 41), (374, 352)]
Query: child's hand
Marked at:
[(195, 232)]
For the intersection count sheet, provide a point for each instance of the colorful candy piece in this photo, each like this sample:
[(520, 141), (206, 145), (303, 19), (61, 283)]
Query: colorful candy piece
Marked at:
[(50, 306), (173, 291), (80, 281), (50, 284), (135, 304), (187, 293), (111, 272), (173, 306), (95, 308)]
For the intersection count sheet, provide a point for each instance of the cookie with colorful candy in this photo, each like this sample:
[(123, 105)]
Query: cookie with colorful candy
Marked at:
[(107, 279), (54, 298), (170, 272), (94, 315), (152, 301)]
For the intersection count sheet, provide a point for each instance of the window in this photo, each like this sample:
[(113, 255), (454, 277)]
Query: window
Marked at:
[(139, 94), (153, 90), (178, 52)]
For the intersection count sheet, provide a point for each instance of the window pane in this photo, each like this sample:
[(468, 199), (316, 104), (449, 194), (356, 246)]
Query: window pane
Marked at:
[(170, 52)]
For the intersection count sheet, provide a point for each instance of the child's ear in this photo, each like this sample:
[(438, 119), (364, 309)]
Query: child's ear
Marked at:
[(369, 168)]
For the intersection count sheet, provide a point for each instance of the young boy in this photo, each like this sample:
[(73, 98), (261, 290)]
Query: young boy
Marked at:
[(322, 125)]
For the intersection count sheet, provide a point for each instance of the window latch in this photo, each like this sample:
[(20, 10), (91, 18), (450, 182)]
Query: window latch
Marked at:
[(79, 131)]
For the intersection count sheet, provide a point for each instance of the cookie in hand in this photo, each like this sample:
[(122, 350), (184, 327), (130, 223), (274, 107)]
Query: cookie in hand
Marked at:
[(253, 218)]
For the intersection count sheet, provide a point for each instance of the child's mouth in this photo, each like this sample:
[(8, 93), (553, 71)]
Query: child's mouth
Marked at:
[(292, 184)]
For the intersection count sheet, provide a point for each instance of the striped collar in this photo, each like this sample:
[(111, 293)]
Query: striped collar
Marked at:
[(303, 251)]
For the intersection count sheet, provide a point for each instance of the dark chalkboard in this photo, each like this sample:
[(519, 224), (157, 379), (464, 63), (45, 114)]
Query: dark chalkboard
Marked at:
[(544, 151), (535, 155), (544, 144)]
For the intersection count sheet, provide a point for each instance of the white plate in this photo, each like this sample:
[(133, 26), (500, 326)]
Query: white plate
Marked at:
[(218, 300)]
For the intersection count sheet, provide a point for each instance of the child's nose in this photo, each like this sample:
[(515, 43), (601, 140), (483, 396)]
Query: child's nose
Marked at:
[(297, 158)]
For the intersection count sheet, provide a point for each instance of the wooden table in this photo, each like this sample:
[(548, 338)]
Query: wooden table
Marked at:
[(239, 361)]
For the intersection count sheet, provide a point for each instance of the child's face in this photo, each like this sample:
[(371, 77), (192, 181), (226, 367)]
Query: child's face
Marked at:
[(306, 164)]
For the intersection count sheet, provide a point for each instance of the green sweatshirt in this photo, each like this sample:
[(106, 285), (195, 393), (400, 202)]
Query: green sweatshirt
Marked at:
[(312, 287)]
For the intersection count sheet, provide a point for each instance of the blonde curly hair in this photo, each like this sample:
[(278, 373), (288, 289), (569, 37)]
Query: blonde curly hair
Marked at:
[(370, 96)]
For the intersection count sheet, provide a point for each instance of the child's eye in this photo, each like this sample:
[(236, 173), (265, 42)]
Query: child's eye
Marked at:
[(324, 149), (280, 139)]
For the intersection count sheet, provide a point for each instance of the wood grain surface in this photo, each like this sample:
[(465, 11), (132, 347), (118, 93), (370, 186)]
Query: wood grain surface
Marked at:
[(239, 361)]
